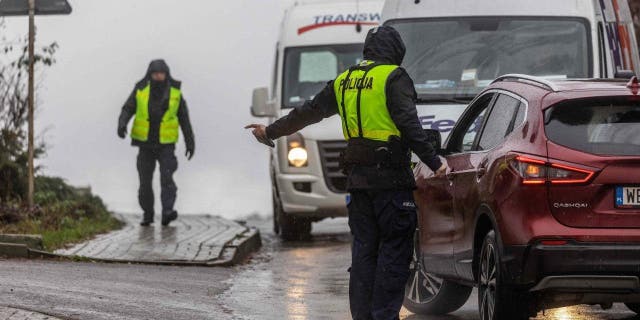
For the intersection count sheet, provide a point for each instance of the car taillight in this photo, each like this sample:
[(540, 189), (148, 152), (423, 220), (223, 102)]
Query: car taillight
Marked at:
[(566, 174), (534, 171)]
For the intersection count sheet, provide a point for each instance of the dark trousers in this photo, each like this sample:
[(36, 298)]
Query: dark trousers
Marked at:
[(383, 224), (147, 158)]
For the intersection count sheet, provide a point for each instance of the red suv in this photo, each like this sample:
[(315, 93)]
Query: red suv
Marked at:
[(541, 208)]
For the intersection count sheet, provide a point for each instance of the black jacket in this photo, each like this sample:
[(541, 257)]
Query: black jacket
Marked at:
[(383, 45), (158, 105)]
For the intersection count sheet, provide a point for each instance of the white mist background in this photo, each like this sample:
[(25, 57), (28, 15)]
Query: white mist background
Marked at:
[(220, 50)]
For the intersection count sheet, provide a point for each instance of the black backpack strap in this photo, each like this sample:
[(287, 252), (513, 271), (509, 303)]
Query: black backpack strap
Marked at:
[(359, 103), (344, 109)]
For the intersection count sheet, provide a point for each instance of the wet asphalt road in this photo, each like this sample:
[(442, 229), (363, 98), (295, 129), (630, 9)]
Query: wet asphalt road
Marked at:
[(297, 281)]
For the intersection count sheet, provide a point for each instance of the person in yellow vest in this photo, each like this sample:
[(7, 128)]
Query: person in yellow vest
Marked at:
[(376, 101), (159, 111)]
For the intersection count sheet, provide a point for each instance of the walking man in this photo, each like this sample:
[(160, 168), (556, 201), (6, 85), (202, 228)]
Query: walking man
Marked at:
[(376, 101), (160, 110)]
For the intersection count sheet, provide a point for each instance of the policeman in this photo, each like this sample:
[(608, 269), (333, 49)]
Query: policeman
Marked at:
[(159, 109), (376, 101)]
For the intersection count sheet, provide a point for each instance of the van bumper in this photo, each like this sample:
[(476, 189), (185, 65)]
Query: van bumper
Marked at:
[(316, 202)]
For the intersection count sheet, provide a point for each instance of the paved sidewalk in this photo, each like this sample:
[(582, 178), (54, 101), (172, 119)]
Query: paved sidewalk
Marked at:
[(15, 314), (201, 240)]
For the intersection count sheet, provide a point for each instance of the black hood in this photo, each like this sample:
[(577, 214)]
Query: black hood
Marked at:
[(159, 65), (384, 45)]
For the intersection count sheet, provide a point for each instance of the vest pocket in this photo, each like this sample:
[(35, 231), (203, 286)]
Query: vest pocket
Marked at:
[(140, 130), (169, 131)]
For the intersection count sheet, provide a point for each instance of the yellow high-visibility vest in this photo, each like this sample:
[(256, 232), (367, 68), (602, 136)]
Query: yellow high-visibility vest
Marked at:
[(169, 127), (362, 102)]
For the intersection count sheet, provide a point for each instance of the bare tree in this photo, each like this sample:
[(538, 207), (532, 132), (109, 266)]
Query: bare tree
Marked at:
[(14, 66)]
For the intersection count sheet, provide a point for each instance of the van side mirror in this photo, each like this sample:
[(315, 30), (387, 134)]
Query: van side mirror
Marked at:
[(624, 74), (261, 107), (435, 138)]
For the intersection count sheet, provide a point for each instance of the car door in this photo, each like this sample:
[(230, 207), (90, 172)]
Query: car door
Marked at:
[(435, 195), (470, 171)]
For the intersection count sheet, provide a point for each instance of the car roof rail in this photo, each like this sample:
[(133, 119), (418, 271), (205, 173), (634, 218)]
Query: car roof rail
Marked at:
[(528, 79)]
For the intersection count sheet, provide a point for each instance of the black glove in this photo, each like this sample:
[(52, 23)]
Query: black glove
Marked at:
[(122, 132), (191, 149)]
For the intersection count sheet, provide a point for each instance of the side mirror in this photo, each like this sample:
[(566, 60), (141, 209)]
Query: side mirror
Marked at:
[(261, 107), (435, 138)]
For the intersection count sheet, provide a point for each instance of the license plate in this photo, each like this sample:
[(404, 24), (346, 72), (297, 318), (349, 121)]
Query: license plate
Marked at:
[(628, 197), (347, 199)]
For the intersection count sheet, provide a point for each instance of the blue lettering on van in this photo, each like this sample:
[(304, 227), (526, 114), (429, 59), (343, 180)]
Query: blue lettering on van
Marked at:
[(429, 122), (446, 125)]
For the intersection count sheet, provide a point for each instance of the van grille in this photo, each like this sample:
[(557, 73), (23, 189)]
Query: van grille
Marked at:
[(330, 154)]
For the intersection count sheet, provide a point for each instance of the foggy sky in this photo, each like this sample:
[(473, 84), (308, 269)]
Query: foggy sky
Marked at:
[(221, 50)]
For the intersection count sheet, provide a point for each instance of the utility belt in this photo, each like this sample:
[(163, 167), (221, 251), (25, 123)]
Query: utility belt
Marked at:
[(366, 152)]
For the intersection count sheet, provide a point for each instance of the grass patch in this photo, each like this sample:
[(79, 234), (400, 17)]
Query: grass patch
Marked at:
[(64, 216)]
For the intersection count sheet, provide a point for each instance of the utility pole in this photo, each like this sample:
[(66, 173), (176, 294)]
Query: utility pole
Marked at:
[(32, 39)]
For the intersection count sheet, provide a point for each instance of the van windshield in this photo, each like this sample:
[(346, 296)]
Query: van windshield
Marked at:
[(308, 69), (457, 57)]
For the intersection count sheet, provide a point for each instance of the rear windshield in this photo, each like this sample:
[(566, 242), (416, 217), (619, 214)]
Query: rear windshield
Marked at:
[(598, 127)]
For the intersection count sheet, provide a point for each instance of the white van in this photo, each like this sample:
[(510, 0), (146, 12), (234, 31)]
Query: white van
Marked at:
[(455, 48), (318, 41)]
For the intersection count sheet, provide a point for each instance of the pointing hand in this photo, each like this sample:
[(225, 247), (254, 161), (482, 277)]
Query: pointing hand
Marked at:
[(260, 132)]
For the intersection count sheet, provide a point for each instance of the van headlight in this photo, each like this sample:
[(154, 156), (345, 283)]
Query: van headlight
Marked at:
[(297, 153), (298, 157)]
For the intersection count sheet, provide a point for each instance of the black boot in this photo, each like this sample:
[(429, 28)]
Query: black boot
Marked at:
[(167, 217), (147, 219), (146, 223)]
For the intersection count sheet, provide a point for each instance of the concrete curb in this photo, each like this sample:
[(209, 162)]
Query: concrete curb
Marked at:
[(239, 249), (14, 250), (32, 241), (19, 245)]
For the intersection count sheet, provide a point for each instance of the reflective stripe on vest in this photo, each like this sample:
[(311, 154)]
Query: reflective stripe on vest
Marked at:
[(169, 127), (362, 102)]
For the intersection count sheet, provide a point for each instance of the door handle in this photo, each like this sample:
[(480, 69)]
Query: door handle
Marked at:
[(451, 176), (482, 168)]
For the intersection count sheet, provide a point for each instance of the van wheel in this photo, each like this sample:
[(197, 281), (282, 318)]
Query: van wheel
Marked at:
[(293, 228), (289, 227), (496, 300), (428, 294), (635, 307)]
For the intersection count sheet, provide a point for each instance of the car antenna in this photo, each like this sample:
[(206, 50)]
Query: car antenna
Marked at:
[(358, 24)]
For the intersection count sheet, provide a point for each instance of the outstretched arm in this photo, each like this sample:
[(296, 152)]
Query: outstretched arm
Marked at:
[(322, 106)]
